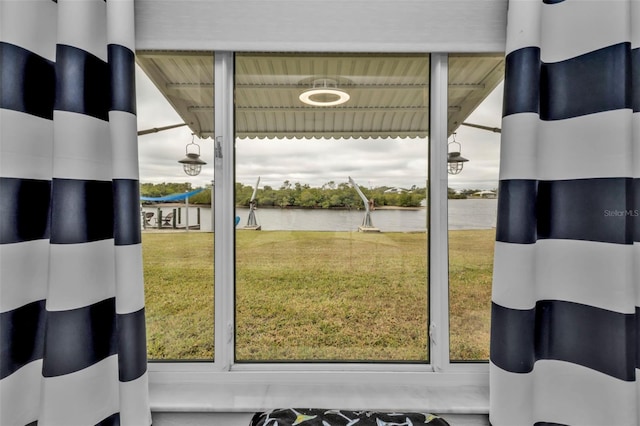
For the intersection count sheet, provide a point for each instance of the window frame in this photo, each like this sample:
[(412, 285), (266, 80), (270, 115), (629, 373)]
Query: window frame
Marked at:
[(187, 379)]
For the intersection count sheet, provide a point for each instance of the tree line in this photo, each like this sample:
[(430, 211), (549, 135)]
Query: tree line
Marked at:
[(328, 196), (331, 195)]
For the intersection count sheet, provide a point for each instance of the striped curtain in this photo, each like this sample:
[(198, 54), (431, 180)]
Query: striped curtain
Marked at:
[(72, 338), (565, 344)]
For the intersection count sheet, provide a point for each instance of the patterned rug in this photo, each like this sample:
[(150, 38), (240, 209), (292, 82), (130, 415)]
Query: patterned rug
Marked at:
[(322, 417)]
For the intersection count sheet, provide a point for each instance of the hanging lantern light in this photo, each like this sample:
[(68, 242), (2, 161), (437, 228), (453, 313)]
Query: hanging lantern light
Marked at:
[(455, 162), (191, 163)]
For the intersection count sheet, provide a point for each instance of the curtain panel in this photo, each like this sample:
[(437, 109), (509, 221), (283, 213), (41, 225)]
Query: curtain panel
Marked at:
[(565, 345), (72, 337)]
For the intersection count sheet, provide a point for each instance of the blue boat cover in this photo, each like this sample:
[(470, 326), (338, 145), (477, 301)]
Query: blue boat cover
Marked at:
[(173, 197)]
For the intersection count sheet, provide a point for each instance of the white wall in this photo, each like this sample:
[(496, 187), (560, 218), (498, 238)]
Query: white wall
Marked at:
[(322, 25), (317, 26), (243, 419), (197, 419)]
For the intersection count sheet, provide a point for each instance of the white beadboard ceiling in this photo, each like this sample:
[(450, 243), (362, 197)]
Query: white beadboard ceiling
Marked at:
[(389, 92)]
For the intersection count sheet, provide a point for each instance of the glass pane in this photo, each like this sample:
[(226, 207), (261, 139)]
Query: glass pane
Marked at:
[(331, 244), (477, 81), (177, 234)]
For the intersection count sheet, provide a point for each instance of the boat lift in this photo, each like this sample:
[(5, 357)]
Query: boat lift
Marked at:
[(252, 223), (367, 223)]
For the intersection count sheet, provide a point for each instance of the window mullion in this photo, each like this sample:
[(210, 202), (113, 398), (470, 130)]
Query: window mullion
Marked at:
[(438, 221), (224, 214)]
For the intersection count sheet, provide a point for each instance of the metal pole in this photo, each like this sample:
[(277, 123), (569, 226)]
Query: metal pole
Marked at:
[(438, 214), (479, 126), (186, 212), (159, 129), (213, 204)]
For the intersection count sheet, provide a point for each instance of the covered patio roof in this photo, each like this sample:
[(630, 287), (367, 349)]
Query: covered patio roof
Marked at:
[(389, 92)]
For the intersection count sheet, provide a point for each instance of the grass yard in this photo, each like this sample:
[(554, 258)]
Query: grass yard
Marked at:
[(316, 295), (178, 275), (470, 275), (331, 296)]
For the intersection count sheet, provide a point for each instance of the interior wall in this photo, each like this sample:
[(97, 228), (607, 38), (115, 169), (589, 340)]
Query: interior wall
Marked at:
[(317, 26), (322, 25), (198, 419)]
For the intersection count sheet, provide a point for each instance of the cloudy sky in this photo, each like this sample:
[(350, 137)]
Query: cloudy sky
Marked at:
[(369, 162)]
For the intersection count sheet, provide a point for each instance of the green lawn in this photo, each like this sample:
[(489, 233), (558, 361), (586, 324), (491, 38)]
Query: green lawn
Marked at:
[(470, 275), (316, 295)]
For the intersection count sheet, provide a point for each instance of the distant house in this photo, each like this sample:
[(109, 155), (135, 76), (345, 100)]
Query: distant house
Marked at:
[(396, 190), (484, 194)]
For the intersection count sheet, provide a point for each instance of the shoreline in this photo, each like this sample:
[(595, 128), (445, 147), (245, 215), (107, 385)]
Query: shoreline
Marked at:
[(208, 206)]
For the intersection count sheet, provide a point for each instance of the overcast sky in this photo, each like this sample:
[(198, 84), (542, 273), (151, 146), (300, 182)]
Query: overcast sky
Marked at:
[(369, 162)]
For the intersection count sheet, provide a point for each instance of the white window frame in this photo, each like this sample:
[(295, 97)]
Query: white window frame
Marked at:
[(198, 386)]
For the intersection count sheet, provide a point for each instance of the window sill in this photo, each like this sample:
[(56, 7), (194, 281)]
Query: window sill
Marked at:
[(441, 393)]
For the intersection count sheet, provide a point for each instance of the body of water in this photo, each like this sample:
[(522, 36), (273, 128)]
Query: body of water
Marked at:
[(463, 214)]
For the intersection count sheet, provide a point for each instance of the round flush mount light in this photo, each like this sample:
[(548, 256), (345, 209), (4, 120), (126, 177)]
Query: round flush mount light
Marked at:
[(324, 92)]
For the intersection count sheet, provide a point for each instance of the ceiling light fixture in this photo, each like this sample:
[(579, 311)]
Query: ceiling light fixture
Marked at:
[(324, 92)]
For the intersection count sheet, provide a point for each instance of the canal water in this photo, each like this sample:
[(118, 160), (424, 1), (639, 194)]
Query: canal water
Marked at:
[(463, 214)]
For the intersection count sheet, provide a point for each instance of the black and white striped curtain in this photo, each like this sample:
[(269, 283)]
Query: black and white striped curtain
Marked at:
[(565, 343), (72, 338)]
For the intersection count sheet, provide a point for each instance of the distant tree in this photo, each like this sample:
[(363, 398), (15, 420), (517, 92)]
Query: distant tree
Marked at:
[(453, 194), (243, 194), (203, 197), (329, 185), (163, 189), (285, 185), (267, 196), (309, 198)]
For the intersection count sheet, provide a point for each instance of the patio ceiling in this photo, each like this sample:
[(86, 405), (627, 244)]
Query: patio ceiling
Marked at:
[(389, 93)]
